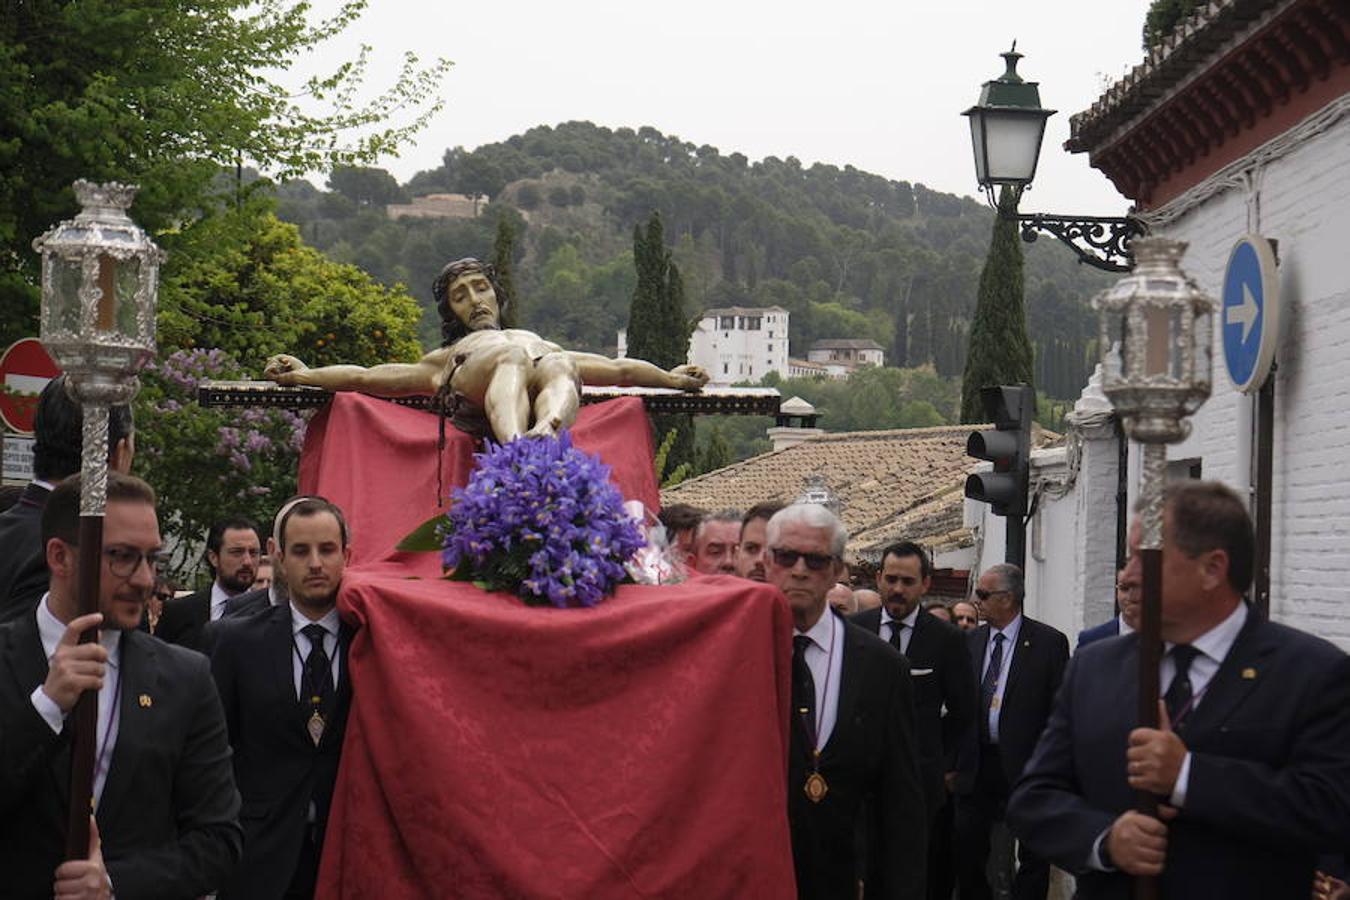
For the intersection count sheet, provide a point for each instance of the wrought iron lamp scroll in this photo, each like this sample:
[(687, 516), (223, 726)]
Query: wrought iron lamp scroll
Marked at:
[(99, 279), (1007, 127)]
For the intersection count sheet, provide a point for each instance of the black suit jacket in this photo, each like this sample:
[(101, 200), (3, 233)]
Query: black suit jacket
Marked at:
[(184, 618), (1034, 675), (870, 763), (278, 768), (169, 814), (23, 561), (939, 666), (248, 603), (1269, 783), (1108, 629)]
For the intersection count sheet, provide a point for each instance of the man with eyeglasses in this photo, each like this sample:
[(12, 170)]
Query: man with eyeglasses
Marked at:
[(853, 768), (1017, 663), (164, 798), (1251, 762), (943, 687)]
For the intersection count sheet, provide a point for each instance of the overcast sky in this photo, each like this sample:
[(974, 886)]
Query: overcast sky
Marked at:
[(879, 85)]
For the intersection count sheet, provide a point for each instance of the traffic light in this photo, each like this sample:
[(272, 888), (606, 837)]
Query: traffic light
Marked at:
[(1008, 446)]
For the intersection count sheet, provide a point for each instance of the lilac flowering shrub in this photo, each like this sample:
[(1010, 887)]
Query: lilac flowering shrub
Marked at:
[(540, 519), (208, 463)]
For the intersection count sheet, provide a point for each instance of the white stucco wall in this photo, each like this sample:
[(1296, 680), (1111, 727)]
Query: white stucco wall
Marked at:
[(1301, 198)]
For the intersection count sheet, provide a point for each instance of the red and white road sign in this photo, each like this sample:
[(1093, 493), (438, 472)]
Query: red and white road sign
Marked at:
[(25, 369)]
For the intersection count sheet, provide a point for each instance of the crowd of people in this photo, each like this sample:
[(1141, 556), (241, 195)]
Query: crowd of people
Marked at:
[(920, 727)]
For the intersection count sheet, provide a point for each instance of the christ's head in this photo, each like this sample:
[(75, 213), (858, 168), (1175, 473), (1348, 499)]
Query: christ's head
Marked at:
[(468, 298)]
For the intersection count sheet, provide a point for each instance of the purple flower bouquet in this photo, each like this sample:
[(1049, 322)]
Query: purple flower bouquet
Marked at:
[(540, 519)]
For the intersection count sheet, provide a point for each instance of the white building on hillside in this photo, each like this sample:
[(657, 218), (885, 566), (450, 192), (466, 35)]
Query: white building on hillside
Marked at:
[(737, 343), (851, 352)]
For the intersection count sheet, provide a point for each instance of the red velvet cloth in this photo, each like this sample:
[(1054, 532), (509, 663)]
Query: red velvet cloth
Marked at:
[(495, 750), (377, 461)]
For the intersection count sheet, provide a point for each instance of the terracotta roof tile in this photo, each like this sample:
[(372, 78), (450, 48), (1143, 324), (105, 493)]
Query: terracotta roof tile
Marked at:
[(891, 483)]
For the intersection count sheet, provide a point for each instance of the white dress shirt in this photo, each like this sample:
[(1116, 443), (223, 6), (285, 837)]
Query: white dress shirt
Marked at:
[(50, 630), (218, 598), (1123, 627), (889, 625), (825, 658), (1010, 633), (299, 622)]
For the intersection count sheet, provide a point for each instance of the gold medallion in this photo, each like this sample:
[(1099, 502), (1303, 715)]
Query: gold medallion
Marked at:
[(315, 727), (816, 788)]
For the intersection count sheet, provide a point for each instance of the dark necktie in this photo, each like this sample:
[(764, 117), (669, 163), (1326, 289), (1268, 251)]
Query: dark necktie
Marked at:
[(897, 629), (803, 688), (318, 678), (989, 686), (1178, 696)]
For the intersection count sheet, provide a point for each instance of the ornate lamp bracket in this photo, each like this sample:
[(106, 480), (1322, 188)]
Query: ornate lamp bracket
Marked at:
[(1102, 242)]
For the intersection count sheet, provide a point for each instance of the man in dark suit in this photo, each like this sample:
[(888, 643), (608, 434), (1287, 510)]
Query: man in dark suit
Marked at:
[(58, 431), (1252, 762), (1017, 663), (944, 692), (164, 796), (853, 753), (233, 548), (1124, 622), (282, 677)]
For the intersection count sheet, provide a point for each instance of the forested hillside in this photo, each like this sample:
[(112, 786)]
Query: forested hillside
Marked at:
[(850, 254)]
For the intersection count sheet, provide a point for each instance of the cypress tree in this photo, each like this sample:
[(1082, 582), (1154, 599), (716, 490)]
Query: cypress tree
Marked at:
[(658, 329), (503, 260), (999, 351)]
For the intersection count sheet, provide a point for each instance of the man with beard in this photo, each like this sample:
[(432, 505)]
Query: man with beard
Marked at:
[(944, 693), (502, 382), (232, 552), (751, 551), (282, 678), (164, 801)]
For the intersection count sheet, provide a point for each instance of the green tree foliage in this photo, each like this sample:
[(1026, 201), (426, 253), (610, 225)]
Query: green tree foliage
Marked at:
[(205, 463), (245, 283), (659, 327), (165, 94), (366, 185), (1000, 351), (504, 261), (1164, 16)]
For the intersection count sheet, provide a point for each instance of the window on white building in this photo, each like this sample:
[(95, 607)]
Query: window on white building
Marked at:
[(727, 323), (726, 369)]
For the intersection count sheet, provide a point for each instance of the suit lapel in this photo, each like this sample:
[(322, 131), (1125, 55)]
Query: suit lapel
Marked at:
[(1238, 674), (979, 645), (138, 682), (921, 652), (28, 667), (1026, 638)]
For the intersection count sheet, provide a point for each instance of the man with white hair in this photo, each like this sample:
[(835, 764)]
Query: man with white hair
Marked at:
[(852, 731)]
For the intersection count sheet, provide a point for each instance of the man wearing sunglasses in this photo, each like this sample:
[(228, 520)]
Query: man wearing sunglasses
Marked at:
[(1018, 663), (851, 732), (164, 797)]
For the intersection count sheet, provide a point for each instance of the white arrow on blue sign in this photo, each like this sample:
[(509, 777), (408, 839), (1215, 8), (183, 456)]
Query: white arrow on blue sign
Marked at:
[(1251, 307)]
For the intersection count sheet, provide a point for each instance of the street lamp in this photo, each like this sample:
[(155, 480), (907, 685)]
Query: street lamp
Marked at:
[(1156, 343), (1007, 126), (99, 277)]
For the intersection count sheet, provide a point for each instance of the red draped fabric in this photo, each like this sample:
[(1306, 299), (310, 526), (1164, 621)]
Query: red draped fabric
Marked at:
[(495, 750), (377, 461)]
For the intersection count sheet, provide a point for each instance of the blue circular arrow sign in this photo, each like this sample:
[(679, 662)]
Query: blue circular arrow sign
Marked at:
[(1250, 314)]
